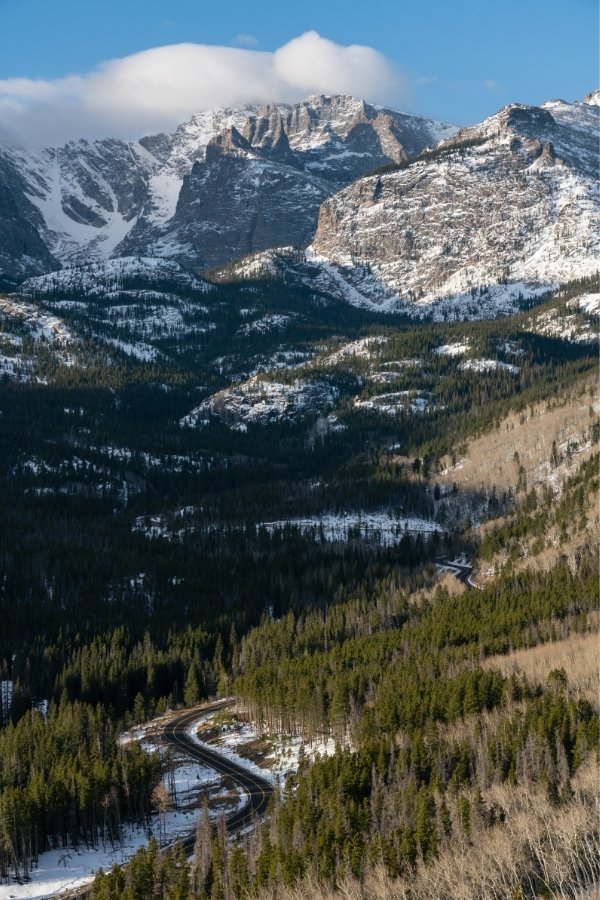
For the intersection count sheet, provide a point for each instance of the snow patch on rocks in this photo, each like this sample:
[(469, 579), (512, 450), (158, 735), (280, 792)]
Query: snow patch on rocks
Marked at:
[(260, 402)]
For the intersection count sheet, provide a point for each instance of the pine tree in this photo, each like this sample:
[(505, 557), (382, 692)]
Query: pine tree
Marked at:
[(191, 690)]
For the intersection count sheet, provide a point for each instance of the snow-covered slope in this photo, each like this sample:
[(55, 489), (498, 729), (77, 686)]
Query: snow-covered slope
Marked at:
[(113, 277), (86, 195), (97, 199), (128, 303), (499, 212)]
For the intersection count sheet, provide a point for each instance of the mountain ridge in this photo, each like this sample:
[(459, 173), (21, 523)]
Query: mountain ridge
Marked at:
[(511, 200), (97, 199)]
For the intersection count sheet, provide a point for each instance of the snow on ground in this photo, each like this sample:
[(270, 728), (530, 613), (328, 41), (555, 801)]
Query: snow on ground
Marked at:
[(169, 462), (112, 275), (362, 349), (571, 446), (571, 327), (391, 371), (266, 324), (512, 348), (147, 319), (237, 741), (378, 290), (488, 365), (13, 367), (6, 692), (161, 526), (260, 402), (164, 190), (65, 868), (381, 528), (388, 377), (42, 325), (393, 403), (153, 527), (589, 303), (258, 265), (282, 359), (458, 348), (140, 350)]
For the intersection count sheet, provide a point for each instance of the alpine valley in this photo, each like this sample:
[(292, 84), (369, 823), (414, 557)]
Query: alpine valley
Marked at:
[(299, 508)]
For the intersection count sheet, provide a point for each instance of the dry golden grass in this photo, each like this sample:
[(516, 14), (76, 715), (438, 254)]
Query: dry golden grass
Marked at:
[(538, 843), (578, 655), (446, 580), (555, 550), (491, 460)]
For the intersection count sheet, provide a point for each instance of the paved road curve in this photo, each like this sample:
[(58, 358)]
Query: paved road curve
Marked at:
[(462, 571), (258, 789)]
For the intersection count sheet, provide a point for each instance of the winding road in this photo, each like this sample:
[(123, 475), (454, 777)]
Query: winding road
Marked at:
[(462, 571), (258, 789)]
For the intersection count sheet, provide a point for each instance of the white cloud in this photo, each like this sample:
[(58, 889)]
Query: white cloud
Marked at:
[(245, 40), (156, 89)]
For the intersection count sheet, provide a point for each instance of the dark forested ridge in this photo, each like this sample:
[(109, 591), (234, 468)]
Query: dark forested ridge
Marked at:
[(149, 560)]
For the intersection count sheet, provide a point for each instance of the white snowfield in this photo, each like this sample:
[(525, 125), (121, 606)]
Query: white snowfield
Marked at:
[(124, 298), (456, 349), (589, 303), (265, 324), (363, 348), (396, 401), (570, 327), (362, 284), (15, 368), (61, 870)]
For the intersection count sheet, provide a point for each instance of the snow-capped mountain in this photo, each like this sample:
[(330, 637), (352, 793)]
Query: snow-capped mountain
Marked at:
[(501, 210), (228, 182)]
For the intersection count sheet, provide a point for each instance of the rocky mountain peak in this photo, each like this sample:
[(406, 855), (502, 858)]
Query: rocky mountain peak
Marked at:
[(319, 117), (506, 205), (526, 120), (228, 142), (92, 200), (266, 130)]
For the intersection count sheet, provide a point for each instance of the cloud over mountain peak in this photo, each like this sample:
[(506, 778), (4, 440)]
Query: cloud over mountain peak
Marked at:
[(155, 89)]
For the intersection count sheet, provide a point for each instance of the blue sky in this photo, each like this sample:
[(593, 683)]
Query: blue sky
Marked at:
[(460, 61)]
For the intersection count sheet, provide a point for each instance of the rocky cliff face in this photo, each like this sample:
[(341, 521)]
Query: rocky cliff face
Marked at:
[(227, 182), (259, 181), (512, 201), (240, 201), (22, 249)]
